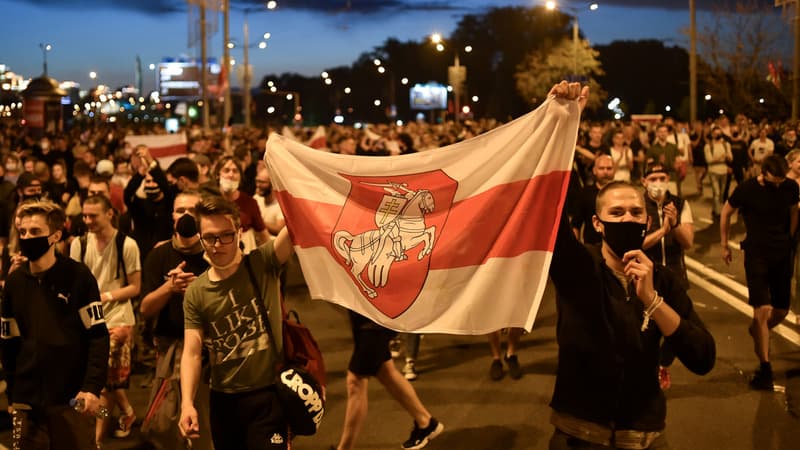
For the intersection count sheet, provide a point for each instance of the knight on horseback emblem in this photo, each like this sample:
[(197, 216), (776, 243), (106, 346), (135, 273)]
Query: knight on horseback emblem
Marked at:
[(400, 227)]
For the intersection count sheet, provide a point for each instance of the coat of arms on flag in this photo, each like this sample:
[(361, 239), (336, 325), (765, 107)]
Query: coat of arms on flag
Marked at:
[(452, 240), (387, 231)]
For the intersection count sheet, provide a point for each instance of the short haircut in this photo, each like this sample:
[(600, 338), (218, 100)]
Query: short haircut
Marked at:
[(775, 165), (53, 214), (99, 200), (184, 167), (792, 155), (188, 193), (98, 179), (224, 160), (214, 205), (614, 185)]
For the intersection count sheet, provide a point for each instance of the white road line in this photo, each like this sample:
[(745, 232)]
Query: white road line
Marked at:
[(727, 283), (739, 305)]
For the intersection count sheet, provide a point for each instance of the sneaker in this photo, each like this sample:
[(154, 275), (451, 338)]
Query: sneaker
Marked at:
[(124, 425), (410, 371), (421, 436), (664, 380), (496, 370), (762, 380), (514, 371), (394, 347)]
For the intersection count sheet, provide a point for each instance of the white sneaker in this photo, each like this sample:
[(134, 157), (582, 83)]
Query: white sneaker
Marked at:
[(410, 371)]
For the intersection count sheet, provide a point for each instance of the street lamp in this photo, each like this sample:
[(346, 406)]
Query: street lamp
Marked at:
[(246, 45), (573, 13), (45, 48), (456, 74)]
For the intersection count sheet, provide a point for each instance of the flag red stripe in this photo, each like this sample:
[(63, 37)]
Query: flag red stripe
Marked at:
[(168, 150), (504, 221)]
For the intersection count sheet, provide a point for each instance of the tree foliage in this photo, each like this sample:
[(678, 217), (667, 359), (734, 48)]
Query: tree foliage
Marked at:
[(735, 49), (542, 68)]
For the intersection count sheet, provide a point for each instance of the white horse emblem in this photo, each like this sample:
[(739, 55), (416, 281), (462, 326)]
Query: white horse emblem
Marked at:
[(400, 222)]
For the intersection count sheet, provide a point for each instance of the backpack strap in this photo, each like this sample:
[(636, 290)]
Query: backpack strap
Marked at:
[(82, 240), (262, 309), (119, 241)]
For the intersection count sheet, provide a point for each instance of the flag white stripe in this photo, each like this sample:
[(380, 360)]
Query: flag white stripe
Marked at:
[(478, 164), (443, 305)]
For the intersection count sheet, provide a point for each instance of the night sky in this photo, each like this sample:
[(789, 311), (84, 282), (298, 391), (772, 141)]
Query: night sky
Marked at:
[(308, 36)]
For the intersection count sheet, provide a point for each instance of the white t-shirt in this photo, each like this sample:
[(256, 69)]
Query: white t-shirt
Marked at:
[(104, 268), (270, 213)]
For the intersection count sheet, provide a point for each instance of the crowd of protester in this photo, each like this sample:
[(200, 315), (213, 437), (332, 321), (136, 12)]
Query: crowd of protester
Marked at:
[(141, 197)]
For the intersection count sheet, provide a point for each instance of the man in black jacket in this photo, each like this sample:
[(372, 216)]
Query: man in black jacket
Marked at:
[(610, 326), (54, 338)]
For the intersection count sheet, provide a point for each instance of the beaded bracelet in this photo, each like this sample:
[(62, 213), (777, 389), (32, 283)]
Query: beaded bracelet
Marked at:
[(657, 301)]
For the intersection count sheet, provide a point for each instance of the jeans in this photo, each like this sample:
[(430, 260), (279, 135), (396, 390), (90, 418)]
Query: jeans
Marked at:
[(717, 186)]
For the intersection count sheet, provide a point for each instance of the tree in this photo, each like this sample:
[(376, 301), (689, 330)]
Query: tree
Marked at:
[(735, 49), (646, 75), (542, 68)]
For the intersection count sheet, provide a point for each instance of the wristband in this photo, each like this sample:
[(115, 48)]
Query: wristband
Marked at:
[(657, 301)]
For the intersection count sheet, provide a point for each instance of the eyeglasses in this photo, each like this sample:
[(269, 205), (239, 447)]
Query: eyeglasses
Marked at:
[(225, 238), (189, 210)]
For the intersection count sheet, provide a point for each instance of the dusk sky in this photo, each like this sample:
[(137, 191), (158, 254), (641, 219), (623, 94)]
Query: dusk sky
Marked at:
[(308, 36)]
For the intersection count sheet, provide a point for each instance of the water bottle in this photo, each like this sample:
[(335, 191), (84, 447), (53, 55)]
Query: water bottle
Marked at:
[(78, 404)]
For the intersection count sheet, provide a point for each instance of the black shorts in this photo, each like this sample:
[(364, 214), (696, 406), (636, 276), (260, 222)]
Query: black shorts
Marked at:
[(769, 278), (248, 421), (371, 345)]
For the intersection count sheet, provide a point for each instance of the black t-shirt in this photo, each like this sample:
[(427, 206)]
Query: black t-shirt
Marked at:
[(583, 208), (158, 263), (766, 211)]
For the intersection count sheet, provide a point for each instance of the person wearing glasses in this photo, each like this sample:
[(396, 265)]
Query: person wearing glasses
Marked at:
[(168, 270), (220, 308)]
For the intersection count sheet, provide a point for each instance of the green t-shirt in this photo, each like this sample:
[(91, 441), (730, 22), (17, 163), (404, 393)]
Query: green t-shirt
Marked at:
[(242, 357)]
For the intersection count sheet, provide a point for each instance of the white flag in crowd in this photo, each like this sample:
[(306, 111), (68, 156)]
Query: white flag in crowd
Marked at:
[(455, 240), (163, 147)]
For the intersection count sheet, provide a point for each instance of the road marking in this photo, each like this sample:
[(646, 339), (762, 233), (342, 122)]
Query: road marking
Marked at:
[(729, 284), (739, 305)]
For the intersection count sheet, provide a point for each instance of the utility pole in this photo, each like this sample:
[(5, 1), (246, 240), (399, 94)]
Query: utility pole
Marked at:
[(203, 65), (246, 77), (226, 63), (692, 61), (796, 63)]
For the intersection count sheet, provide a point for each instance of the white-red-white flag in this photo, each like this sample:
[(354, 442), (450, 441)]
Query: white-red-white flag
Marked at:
[(318, 140), (166, 148), (456, 240)]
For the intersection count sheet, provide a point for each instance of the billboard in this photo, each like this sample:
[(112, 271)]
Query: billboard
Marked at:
[(428, 96), (180, 79)]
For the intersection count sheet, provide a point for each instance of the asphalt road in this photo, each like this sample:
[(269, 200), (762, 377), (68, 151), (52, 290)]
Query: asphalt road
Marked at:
[(716, 411)]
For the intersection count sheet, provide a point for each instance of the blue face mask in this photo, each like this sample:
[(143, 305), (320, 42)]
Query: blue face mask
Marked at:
[(623, 237)]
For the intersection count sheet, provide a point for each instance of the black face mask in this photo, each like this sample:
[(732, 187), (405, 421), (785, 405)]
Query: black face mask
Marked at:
[(186, 226), (623, 237), (34, 248)]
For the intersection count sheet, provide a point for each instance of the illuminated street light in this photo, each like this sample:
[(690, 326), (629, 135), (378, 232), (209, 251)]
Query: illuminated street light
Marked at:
[(45, 49), (328, 81), (347, 90), (272, 4), (475, 99), (377, 102), (440, 47), (231, 45), (381, 69), (262, 45), (436, 38), (573, 13), (267, 35), (93, 75), (324, 74), (377, 62), (468, 49), (152, 66), (404, 81), (289, 96), (708, 97)]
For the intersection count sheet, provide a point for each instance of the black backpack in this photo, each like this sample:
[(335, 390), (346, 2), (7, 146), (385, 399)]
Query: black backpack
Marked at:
[(119, 241)]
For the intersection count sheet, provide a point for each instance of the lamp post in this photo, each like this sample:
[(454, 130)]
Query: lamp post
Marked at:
[(246, 95), (573, 13), (45, 48), (456, 74)]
